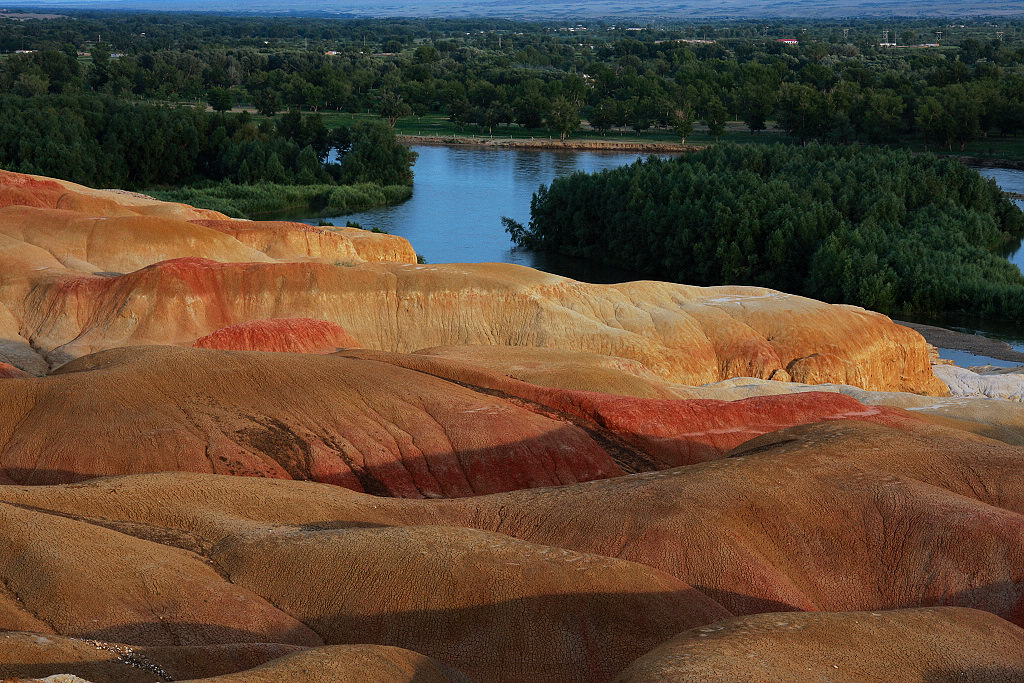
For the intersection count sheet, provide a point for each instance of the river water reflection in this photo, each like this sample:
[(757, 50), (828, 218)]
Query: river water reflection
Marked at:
[(461, 193), (1012, 181)]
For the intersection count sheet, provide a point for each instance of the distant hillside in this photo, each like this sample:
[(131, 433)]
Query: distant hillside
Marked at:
[(572, 8)]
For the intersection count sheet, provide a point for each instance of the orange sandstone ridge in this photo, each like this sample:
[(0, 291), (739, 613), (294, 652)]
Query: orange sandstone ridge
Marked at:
[(106, 270), (471, 472)]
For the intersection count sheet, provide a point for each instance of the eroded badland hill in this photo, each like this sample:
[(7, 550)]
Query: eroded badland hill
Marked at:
[(248, 451)]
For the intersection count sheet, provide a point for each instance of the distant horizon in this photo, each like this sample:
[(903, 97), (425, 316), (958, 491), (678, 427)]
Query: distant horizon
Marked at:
[(548, 9)]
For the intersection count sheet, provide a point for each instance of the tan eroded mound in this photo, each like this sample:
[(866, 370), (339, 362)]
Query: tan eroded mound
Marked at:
[(55, 238), (938, 644), (299, 335), (52, 231), (19, 189), (69, 577), (85, 243), (289, 241), (684, 334)]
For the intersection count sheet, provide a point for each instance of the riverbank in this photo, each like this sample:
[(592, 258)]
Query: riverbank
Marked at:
[(547, 143), (654, 147), (989, 162), (975, 344)]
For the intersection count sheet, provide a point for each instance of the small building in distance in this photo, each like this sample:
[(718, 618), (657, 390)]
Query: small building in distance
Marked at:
[(789, 41)]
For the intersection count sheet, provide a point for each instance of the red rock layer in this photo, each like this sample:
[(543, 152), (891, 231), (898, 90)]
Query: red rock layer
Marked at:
[(362, 424), (389, 424), (17, 189), (669, 432), (299, 335), (8, 371)]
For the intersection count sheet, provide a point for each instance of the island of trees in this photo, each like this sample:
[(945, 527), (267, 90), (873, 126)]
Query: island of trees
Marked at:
[(881, 229)]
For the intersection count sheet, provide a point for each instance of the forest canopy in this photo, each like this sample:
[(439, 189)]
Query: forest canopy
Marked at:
[(878, 228), (103, 141)]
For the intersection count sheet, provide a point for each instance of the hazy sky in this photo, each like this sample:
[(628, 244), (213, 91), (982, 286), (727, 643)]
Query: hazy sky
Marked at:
[(550, 9)]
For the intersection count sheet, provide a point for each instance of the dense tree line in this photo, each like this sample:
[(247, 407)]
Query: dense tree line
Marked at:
[(104, 141), (835, 85), (881, 229)]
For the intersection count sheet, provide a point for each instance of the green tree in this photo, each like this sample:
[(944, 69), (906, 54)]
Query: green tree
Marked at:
[(715, 116), (307, 166), (274, 171), (682, 120), (377, 157), (220, 99), (933, 121), (564, 117), (392, 107), (755, 103), (801, 111)]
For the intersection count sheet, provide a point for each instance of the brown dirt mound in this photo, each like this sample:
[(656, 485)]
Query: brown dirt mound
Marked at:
[(940, 644), (843, 516), (493, 607), (833, 516), (38, 655), (347, 664)]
